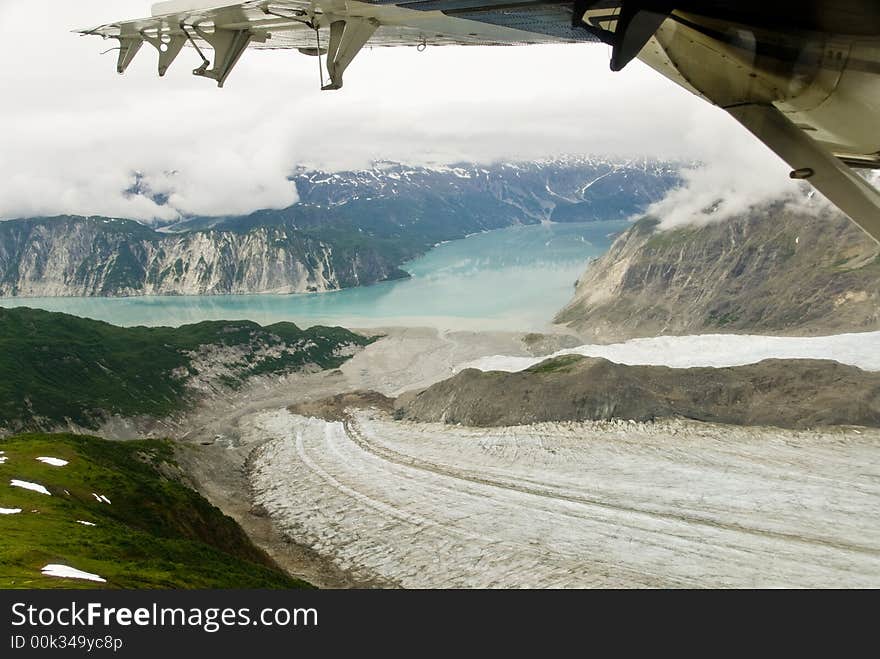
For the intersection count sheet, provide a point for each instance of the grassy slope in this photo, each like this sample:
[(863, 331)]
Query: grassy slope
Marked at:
[(56, 367), (156, 533)]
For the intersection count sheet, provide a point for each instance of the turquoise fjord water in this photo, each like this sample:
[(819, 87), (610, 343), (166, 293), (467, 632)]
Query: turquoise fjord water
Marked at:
[(509, 279)]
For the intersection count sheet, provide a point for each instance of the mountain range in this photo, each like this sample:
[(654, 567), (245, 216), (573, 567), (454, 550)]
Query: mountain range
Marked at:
[(347, 229)]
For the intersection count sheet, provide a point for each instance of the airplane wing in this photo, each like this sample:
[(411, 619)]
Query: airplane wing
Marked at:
[(803, 77), (813, 161), (336, 28)]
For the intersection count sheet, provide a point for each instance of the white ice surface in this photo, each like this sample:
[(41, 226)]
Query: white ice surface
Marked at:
[(54, 570), (9, 511), (55, 462), (858, 349), (30, 486), (3, 459), (599, 504), (84, 523), (105, 499)]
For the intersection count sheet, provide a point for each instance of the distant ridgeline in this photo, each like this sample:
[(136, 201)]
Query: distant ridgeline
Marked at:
[(58, 370), (773, 270), (348, 229)]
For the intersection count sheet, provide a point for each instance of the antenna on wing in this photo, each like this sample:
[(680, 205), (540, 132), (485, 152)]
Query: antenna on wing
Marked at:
[(318, 53)]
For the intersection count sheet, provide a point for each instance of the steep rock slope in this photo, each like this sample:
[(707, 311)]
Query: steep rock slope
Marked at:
[(75, 256), (775, 271), (795, 393)]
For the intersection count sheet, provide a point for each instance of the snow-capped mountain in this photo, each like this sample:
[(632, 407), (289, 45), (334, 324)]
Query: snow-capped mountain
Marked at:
[(348, 229)]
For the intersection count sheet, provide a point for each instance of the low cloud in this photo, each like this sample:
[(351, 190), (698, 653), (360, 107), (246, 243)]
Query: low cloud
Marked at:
[(79, 138), (735, 177)]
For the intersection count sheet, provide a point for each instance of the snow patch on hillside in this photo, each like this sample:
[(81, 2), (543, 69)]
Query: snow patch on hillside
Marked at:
[(34, 487), (55, 462), (67, 572)]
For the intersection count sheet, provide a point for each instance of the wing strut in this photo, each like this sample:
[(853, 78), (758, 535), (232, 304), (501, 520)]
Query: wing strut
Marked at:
[(228, 47), (128, 48), (634, 25), (811, 161), (169, 47), (347, 38)]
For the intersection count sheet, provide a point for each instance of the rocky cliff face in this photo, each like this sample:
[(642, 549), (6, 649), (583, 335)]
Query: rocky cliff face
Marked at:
[(776, 271), (98, 256)]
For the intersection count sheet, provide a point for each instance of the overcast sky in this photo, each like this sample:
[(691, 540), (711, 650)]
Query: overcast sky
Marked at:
[(74, 132)]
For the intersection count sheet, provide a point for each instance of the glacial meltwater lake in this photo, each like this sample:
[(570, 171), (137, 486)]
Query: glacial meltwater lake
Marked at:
[(509, 279)]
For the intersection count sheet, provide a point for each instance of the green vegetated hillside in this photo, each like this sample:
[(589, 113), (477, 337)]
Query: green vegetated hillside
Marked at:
[(57, 369), (773, 270), (154, 533)]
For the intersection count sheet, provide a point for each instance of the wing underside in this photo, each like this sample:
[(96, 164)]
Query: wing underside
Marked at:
[(292, 23), (717, 63), (338, 28)]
